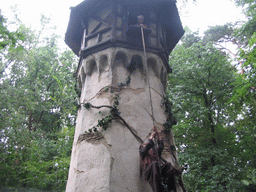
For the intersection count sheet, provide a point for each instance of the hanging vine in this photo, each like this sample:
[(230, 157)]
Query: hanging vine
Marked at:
[(170, 121), (127, 82), (104, 122), (114, 111)]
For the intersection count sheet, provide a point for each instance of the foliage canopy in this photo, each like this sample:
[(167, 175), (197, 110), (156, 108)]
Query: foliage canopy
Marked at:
[(37, 99)]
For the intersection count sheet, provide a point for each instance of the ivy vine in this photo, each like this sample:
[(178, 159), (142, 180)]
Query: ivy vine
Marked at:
[(170, 121), (114, 112), (127, 82), (104, 122)]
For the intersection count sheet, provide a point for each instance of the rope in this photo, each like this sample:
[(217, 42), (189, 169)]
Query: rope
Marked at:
[(150, 97), (147, 75)]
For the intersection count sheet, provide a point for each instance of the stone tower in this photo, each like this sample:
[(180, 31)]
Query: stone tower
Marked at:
[(113, 67)]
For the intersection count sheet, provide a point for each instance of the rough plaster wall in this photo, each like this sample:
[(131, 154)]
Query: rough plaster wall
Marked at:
[(111, 162)]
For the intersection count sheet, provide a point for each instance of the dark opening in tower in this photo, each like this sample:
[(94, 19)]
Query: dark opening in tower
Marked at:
[(134, 34)]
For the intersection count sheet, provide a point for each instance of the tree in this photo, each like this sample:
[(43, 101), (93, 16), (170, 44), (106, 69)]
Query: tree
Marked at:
[(223, 161), (244, 93), (37, 99), (200, 88), (249, 27)]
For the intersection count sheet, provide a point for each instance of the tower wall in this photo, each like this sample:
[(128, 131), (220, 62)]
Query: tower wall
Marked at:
[(110, 161)]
